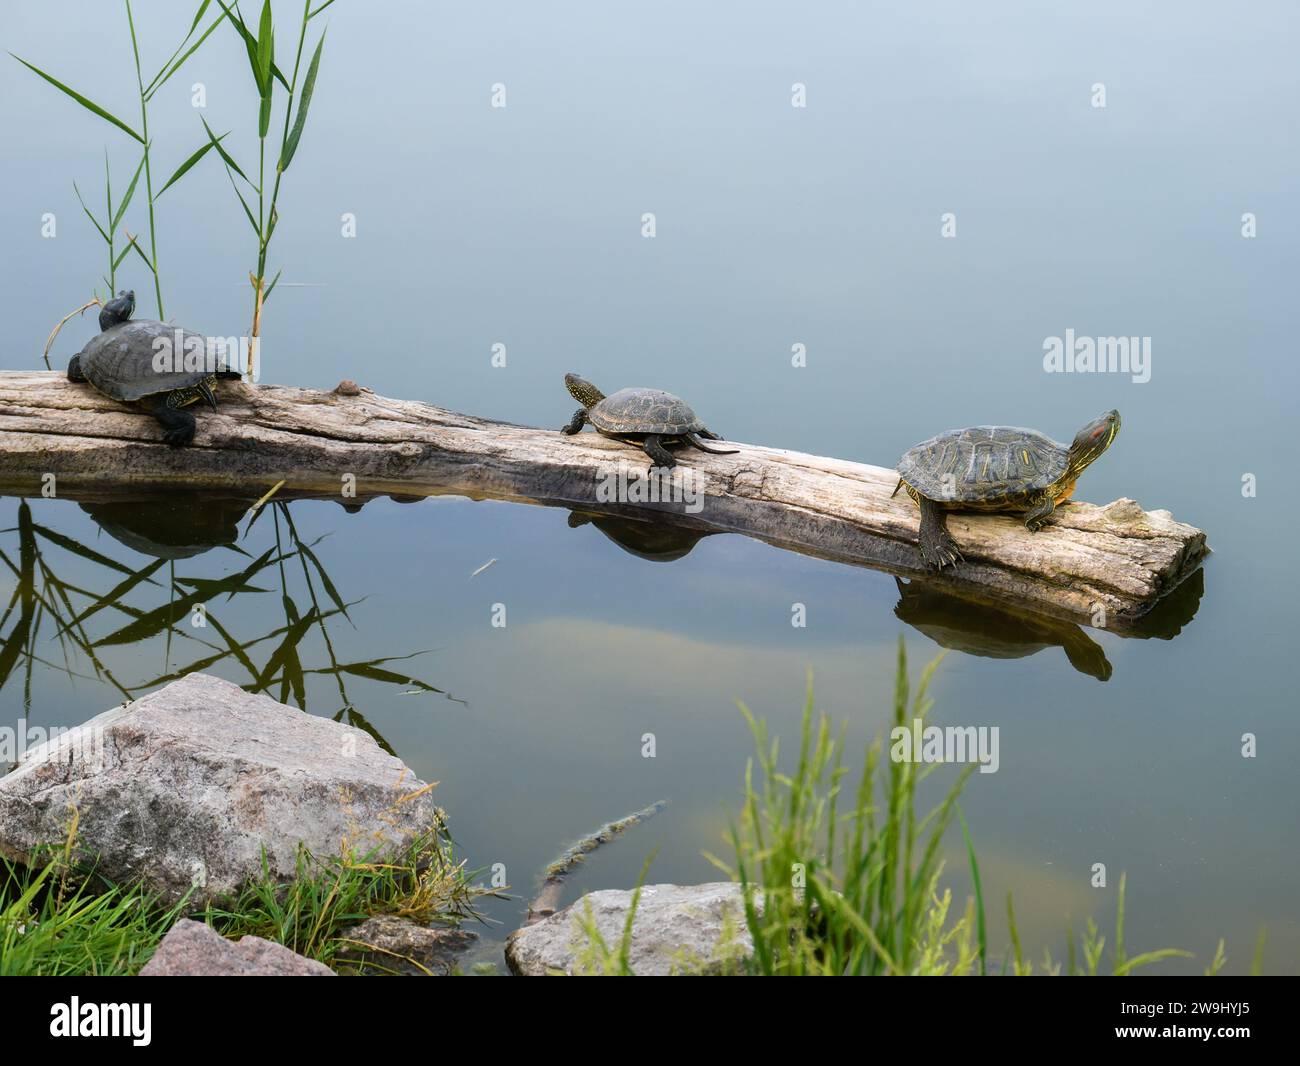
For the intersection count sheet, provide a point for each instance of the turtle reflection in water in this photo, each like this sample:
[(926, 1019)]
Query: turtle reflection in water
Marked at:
[(655, 541), (176, 526), (982, 629)]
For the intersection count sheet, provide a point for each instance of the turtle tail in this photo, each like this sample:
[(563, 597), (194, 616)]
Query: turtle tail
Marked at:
[(896, 488), (695, 441)]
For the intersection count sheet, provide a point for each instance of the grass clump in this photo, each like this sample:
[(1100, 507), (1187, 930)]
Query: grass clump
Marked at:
[(308, 912), (857, 892), (53, 926), (58, 920), (853, 893)]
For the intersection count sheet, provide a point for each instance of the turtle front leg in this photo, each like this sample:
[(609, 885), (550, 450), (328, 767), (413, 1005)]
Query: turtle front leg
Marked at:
[(576, 423), (659, 455), (178, 424), (1037, 517), (938, 549)]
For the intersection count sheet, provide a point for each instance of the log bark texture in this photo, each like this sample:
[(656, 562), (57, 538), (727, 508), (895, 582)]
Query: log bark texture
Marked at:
[(1094, 565)]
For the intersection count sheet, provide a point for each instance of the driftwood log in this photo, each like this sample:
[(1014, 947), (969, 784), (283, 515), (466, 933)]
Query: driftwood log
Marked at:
[(1094, 565)]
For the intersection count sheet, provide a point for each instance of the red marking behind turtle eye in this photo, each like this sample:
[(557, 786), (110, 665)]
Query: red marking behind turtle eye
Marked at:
[(1098, 432)]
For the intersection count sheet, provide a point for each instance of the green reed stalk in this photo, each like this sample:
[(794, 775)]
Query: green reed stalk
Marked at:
[(261, 57), (108, 230), (148, 170)]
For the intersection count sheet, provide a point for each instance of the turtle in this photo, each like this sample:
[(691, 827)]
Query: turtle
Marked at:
[(995, 468), (121, 362), (649, 417)]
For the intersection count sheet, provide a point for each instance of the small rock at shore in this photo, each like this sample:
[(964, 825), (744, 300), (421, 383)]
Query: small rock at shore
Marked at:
[(388, 944), (192, 949), (677, 929), (187, 786)]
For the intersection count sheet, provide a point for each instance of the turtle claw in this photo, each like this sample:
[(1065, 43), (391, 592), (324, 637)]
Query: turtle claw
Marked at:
[(178, 426), (940, 553), (938, 549)]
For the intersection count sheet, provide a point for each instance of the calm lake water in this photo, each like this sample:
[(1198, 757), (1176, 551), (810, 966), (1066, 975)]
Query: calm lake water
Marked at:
[(776, 226)]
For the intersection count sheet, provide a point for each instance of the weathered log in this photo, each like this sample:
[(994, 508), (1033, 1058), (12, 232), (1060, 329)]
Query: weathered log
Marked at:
[(1095, 565)]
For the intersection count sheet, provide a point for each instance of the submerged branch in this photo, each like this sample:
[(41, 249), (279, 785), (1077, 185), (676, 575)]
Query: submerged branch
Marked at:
[(548, 898)]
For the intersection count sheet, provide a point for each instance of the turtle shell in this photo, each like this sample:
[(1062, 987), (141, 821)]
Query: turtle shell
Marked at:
[(644, 411), (120, 361), (983, 464)]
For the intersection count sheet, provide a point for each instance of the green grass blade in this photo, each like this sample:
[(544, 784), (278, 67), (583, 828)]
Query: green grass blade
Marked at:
[(265, 49), (197, 15), (89, 105), (126, 199), (979, 892), (250, 44), (1120, 957), (225, 156), (267, 295), (1257, 963), (93, 220), (1148, 957), (248, 213), (184, 168), (308, 87), (1012, 929), (173, 64), (264, 114), (140, 252)]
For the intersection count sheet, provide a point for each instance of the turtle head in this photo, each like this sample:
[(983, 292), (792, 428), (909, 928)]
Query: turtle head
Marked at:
[(583, 391), (117, 310), (1092, 440)]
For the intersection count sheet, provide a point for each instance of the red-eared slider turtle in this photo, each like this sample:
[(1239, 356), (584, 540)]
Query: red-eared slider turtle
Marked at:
[(647, 417), (124, 360), (995, 468)]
